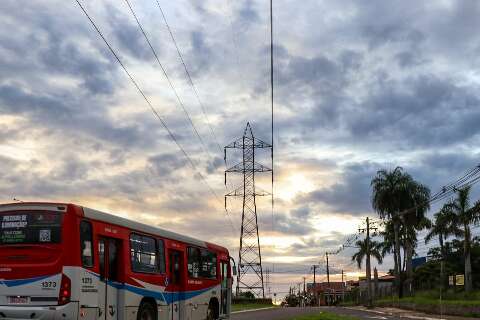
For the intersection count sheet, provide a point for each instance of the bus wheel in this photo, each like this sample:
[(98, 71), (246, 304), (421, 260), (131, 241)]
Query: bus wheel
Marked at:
[(146, 312)]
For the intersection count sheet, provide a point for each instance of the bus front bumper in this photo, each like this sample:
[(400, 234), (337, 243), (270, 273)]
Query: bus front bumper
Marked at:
[(66, 312)]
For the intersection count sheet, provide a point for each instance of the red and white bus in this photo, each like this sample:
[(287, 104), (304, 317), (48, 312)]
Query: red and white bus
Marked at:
[(64, 261)]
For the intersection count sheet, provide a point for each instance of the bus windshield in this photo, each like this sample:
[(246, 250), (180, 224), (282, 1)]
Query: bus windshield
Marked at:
[(30, 227)]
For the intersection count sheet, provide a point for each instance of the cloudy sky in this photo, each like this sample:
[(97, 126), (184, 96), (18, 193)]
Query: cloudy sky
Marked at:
[(360, 86)]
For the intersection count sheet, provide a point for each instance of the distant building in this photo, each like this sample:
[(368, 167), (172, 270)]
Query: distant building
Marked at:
[(381, 286), (327, 293)]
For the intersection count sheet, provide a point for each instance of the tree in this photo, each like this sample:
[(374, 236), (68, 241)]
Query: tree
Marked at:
[(414, 220), (387, 187), (442, 227), (247, 295), (463, 216), (366, 249), (400, 200), (360, 255)]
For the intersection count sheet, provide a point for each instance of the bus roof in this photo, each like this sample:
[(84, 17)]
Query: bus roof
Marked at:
[(109, 218)]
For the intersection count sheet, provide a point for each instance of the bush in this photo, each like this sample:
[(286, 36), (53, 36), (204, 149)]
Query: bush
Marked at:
[(242, 300)]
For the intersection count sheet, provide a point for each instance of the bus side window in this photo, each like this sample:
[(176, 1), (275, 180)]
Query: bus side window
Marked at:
[(86, 242), (101, 258), (201, 263), (161, 257), (143, 254)]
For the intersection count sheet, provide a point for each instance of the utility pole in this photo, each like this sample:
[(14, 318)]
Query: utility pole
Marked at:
[(328, 281), (267, 282), (328, 270), (304, 292), (369, 270), (343, 288), (250, 271), (315, 283)]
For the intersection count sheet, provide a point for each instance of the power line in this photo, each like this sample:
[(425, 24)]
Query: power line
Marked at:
[(180, 102), (467, 180), (290, 271), (271, 85), (189, 76), (152, 108)]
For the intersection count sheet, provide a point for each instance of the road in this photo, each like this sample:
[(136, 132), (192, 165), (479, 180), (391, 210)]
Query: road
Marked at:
[(290, 313), (274, 314)]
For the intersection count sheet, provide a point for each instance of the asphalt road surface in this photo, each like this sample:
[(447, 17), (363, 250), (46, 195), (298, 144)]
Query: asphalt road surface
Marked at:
[(274, 314), (290, 313)]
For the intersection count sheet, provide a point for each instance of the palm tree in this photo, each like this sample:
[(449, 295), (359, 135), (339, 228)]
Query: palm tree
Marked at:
[(442, 227), (375, 251), (388, 188), (463, 216), (366, 249), (394, 195), (414, 220), (388, 244)]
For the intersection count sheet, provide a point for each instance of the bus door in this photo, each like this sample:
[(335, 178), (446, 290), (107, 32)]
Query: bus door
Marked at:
[(176, 283), (225, 290), (108, 258)]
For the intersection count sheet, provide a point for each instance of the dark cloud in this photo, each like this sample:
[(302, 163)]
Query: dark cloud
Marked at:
[(60, 56), (248, 13), (379, 35), (407, 59), (287, 225), (128, 34), (350, 195), (284, 223), (301, 213), (312, 246), (422, 111), (165, 165), (201, 56), (214, 165), (55, 111), (73, 169)]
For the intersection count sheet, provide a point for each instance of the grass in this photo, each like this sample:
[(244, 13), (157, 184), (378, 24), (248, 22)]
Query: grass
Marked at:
[(450, 295), (249, 306), (430, 301), (449, 298), (325, 316)]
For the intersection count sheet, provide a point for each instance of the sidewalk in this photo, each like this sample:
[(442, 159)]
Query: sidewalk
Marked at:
[(408, 314)]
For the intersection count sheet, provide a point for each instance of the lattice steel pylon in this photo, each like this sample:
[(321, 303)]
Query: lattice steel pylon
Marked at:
[(249, 256)]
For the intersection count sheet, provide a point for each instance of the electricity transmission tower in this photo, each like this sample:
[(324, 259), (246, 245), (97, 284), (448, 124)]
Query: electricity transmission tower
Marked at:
[(250, 272)]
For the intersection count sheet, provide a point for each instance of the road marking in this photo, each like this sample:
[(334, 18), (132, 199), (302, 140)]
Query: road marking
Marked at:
[(420, 318), (252, 310), (378, 317)]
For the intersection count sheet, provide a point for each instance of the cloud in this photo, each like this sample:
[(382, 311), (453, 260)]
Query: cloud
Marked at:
[(128, 35), (350, 195), (201, 53), (55, 110), (165, 165), (417, 113), (285, 224), (369, 84)]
